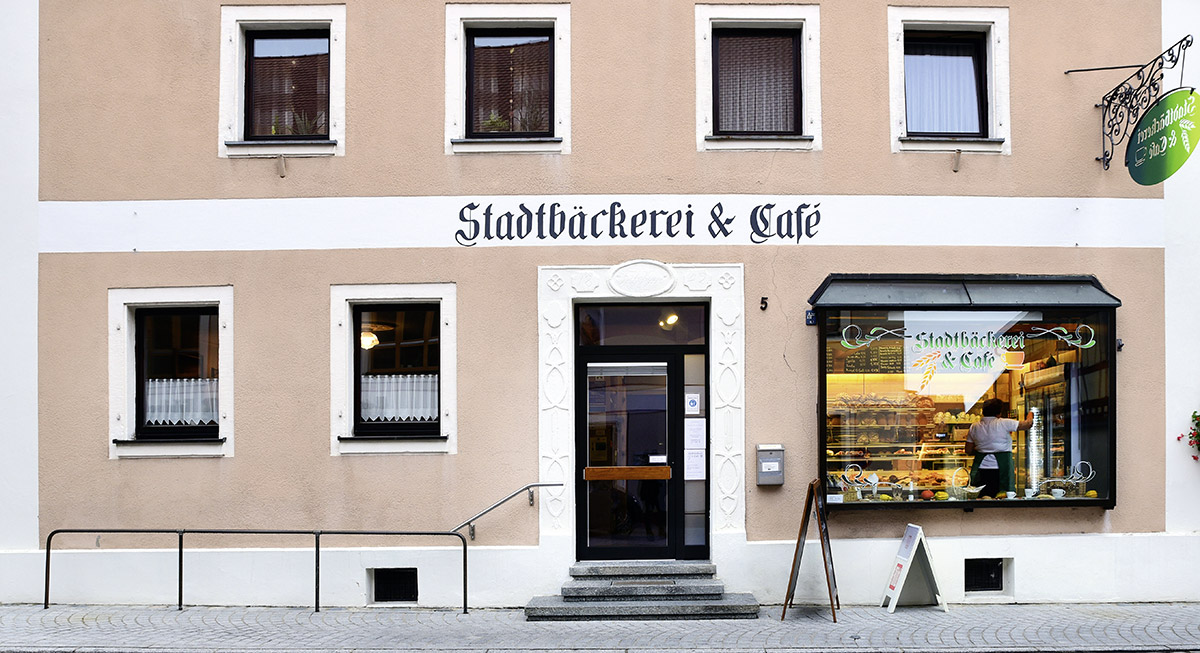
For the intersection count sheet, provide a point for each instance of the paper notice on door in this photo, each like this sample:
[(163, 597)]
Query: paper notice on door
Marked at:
[(691, 404), (693, 433), (693, 464), (658, 460)]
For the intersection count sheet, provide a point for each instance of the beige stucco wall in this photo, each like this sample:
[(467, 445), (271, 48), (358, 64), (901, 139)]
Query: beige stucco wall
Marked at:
[(283, 475), (129, 107)]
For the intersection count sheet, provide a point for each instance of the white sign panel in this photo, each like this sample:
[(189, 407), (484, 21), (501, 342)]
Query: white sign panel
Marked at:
[(693, 433), (912, 560), (693, 464)]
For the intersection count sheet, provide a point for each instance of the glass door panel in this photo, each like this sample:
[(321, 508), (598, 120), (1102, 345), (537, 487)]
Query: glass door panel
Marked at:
[(627, 470), (695, 485)]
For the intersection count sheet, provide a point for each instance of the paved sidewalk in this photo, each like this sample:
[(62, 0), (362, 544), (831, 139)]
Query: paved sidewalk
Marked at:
[(1058, 627)]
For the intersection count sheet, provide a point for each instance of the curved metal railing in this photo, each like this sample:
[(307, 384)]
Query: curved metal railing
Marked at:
[(528, 488)]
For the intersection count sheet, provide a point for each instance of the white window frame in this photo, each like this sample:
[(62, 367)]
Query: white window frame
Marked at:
[(992, 21), (459, 17), (806, 18), (342, 345), (235, 21), (122, 370)]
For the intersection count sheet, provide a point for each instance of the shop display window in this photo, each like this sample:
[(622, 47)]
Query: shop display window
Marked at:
[(908, 393)]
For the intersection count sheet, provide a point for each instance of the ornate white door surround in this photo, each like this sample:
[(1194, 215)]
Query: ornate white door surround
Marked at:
[(559, 288)]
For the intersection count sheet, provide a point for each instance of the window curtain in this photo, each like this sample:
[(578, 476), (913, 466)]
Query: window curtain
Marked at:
[(756, 84), (181, 401), (399, 397), (940, 88)]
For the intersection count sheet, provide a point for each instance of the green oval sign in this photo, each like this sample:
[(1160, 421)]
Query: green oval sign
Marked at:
[(1164, 138)]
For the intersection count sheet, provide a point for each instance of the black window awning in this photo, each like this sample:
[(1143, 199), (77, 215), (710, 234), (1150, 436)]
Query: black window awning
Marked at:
[(961, 291)]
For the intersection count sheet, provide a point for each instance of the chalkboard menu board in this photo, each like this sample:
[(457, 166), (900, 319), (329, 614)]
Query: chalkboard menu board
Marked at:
[(858, 361), (874, 359), (888, 359)]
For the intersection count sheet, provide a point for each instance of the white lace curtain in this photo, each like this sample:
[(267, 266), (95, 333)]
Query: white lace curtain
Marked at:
[(181, 401), (399, 397), (940, 88)]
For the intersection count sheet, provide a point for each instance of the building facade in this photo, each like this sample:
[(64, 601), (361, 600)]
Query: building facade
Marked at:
[(373, 266)]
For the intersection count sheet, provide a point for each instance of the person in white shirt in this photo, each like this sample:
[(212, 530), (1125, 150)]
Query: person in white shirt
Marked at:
[(990, 441)]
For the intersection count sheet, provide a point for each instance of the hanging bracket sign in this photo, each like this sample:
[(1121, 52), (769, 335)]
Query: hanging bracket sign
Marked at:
[(912, 562), (1126, 105), (1164, 137)]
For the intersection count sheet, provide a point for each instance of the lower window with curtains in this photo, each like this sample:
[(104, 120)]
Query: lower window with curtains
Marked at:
[(177, 369), (396, 393), (967, 391)]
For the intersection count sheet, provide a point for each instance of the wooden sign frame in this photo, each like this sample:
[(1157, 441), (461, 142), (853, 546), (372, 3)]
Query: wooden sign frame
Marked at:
[(913, 554), (813, 501)]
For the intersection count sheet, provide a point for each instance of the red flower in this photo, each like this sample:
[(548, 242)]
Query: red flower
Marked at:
[(1195, 457)]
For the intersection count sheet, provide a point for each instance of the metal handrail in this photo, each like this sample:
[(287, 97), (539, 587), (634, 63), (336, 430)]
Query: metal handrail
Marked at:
[(528, 488), (180, 532)]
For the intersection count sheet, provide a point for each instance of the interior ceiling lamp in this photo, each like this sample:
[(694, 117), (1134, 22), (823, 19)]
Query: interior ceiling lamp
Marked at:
[(367, 338), (667, 320)]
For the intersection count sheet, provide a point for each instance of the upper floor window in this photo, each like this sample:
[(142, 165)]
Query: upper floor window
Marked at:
[(756, 82), (949, 79), (510, 82), (287, 84), (945, 83), (283, 81), (508, 78), (178, 369), (758, 77)]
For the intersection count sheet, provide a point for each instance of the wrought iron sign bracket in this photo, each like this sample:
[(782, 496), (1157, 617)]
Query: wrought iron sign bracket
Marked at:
[(1123, 106)]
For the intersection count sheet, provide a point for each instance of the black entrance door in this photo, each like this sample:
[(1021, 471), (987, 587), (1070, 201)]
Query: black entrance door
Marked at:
[(637, 497)]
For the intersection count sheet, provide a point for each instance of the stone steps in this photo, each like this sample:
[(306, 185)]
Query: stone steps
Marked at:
[(729, 606), (647, 589), (643, 589), (635, 569)]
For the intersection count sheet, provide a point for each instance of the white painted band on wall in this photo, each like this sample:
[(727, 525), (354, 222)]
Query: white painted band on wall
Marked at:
[(589, 220)]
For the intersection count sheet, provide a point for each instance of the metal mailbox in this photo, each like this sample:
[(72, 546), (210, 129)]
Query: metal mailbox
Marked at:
[(770, 464)]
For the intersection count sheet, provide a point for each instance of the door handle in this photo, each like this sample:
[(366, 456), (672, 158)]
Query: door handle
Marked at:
[(636, 473)]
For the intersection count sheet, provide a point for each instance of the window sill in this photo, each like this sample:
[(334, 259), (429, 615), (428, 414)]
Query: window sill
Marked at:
[(170, 448), (268, 149), (748, 142), (545, 145), (386, 438), (392, 444), (951, 144)]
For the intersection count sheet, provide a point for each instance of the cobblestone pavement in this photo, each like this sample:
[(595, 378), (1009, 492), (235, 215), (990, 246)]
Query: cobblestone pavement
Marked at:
[(1058, 627)]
